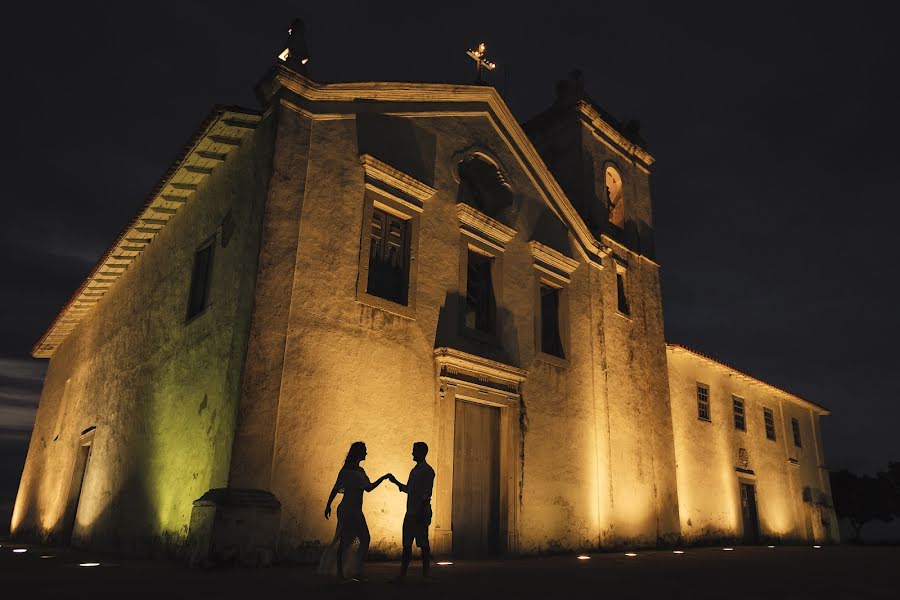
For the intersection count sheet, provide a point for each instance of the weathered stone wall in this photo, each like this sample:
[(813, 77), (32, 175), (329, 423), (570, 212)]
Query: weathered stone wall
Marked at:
[(638, 495), (707, 457), (597, 449), (161, 392)]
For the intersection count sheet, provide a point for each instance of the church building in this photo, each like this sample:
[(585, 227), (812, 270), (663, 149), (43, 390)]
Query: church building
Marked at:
[(392, 263)]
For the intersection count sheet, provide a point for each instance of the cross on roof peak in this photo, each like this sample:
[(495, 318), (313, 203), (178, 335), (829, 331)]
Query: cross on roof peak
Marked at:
[(481, 63)]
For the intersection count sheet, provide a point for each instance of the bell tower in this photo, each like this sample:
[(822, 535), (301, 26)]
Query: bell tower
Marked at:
[(601, 163)]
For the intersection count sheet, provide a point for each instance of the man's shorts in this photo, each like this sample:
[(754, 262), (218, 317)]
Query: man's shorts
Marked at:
[(415, 528)]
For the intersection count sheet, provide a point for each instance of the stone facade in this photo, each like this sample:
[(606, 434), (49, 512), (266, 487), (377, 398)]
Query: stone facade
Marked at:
[(713, 456), (249, 407)]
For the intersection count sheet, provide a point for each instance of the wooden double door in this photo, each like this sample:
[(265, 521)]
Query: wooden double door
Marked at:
[(476, 480)]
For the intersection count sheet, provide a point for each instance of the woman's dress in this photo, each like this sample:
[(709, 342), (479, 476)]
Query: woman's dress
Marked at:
[(351, 527)]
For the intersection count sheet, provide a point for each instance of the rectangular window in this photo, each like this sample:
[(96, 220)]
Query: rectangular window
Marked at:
[(388, 257), (739, 422), (703, 402), (480, 302), (795, 427), (198, 297), (621, 293), (551, 342), (769, 418)]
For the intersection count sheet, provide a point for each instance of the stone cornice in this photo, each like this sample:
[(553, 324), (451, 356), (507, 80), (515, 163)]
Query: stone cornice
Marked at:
[(479, 366), (383, 173), (625, 145), (818, 409), (611, 245), (469, 98), (548, 257), (474, 222), (220, 134)]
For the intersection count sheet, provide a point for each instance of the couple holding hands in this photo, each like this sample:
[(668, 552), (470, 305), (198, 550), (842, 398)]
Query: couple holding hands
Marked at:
[(347, 553)]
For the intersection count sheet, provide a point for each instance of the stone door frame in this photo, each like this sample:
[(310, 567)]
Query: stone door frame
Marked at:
[(463, 376)]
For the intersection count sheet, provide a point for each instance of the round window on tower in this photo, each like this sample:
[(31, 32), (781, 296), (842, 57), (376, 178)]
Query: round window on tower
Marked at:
[(615, 203)]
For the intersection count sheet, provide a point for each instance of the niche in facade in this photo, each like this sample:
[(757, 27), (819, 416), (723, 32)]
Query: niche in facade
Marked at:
[(485, 188), (615, 201)]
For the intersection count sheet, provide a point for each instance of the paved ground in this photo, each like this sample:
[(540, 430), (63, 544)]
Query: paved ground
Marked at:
[(745, 572)]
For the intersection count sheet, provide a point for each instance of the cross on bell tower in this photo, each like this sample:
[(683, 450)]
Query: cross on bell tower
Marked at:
[(481, 63), (295, 53)]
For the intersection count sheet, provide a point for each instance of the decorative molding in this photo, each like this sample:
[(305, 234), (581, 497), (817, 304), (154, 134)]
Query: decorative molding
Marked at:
[(478, 225), (456, 367), (381, 176), (552, 262), (219, 135), (729, 370), (476, 149), (743, 459), (402, 98), (626, 145)]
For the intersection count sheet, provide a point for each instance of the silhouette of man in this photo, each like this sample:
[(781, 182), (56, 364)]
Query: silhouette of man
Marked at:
[(418, 510)]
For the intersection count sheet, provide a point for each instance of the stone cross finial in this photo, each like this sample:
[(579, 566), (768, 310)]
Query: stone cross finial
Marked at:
[(295, 53), (481, 63)]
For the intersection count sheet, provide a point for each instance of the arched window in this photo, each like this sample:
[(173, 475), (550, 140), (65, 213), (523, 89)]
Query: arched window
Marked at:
[(615, 201), (490, 192)]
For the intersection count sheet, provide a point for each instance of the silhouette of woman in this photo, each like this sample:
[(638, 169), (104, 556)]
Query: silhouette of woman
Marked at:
[(346, 554)]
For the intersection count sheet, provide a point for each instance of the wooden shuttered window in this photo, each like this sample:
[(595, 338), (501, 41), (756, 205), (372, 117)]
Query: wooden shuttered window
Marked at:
[(388, 257)]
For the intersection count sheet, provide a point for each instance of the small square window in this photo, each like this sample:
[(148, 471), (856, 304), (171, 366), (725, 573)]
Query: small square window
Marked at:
[(769, 418), (795, 428), (739, 422), (198, 296), (703, 402)]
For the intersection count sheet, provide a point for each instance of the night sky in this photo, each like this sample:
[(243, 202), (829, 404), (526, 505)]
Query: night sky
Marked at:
[(774, 128)]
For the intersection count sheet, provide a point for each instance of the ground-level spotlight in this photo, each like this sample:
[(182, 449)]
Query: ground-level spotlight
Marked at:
[(728, 549), (48, 556), (771, 546), (20, 550), (444, 563), (583, 557), (677, 551), (630, 554), (89, 564), (817, 546)]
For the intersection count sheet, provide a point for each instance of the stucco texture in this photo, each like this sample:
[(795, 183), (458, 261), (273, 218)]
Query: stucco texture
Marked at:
[(160, 391), (707, 458)]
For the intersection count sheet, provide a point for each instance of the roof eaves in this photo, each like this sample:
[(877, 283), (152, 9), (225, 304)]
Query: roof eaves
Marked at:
[(817, 407), (65, 322)]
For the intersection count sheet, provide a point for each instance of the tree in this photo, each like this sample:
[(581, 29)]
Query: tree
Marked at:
[(862, 499), (891, 478)]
